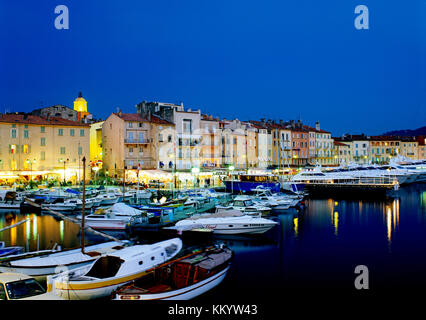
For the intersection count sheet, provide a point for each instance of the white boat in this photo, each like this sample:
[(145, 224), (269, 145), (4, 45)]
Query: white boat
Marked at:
[(208, 267), (79, 203), (59, 205), (229, 222), (113, 270), (96, 202), (247, 205), (265, 197), (48, 264), (107, 199)]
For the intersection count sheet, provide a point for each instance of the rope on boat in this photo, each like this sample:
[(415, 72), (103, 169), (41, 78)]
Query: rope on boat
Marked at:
[(76, 221), (15, 225)]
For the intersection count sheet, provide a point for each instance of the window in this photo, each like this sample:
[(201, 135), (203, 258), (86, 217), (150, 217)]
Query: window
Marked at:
[(130, 124), (13, 133), (42, 129), (60, 132), (62, 150), (2, 292), (42, 141), (169, 138), (25, 148), (187, 125), (14, 125), (42, 155), (25, 133), (81, 132), (80, 150), (72, 132)]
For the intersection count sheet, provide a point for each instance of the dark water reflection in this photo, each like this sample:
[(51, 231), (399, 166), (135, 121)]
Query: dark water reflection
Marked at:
[(316, 249)]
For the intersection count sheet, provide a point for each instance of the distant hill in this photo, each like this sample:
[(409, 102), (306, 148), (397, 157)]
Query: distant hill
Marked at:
[(407, 133)]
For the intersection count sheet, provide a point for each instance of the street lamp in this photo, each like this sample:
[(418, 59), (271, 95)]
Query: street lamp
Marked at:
[(31, 166), (64, 161), (231, 168)]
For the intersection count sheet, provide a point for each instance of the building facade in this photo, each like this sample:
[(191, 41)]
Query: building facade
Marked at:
[(41, 148)]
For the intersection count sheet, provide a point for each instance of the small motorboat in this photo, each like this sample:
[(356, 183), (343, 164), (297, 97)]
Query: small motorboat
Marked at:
[(107, 199), (79, 203), (105, 220), (181, 279), (9, 251), (112, 270), (59, 204), (247, 205), (229, 222)]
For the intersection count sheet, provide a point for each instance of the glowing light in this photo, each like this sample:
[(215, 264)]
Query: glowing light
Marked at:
[(61, 230), (336, 222), (296, 225)]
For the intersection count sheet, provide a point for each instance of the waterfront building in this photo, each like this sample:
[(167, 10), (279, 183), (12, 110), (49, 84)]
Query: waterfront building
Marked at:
[(421, 152), (210, 142), (409, 147), (342, 152), (187, 130), (238, 147), (359, 147), (39, 148), (96, 144), (264, 143), (321, 146), (300, 144), (132, 141), (383, 148)]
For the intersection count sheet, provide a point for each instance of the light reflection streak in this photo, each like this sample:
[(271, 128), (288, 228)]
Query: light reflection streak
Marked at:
[(296, 225)]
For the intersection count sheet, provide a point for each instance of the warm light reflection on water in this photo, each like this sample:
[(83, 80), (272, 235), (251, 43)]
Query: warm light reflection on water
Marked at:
[(296, 225), (392, 219)]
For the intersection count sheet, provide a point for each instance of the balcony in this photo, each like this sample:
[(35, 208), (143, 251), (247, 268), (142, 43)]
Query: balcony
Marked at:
[(137, 141), (145, 163)]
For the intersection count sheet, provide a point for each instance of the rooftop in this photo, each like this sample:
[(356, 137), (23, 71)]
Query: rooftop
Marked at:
[(139, 118), (39, 120)]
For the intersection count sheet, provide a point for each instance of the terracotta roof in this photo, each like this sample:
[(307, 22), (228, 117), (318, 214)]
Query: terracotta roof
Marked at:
[(38, 120), (138, 117), (337, 143), (314, 129)]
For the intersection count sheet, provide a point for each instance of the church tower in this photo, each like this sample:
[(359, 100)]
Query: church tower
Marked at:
[(80, 105)]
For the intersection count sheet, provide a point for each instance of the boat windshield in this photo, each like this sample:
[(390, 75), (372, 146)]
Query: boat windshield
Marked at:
[(24, 289), (105, 267)]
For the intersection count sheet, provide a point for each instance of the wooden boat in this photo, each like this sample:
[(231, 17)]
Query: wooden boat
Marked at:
[(112, 270), (182, 279)]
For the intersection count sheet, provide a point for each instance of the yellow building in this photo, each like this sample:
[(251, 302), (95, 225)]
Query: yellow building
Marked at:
[(36, 148), (96, 144)]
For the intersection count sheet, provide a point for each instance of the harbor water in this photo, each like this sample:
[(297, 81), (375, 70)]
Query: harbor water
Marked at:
[(317, 248)]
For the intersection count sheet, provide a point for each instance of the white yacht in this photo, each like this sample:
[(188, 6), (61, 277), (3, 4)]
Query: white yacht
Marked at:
[(229, 222), (246, 205)]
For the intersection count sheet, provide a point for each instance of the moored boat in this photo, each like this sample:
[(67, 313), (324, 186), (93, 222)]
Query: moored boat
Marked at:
[(182, 279), (113, 270)]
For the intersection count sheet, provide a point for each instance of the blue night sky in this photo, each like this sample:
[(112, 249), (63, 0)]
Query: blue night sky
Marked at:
[(233, 59)]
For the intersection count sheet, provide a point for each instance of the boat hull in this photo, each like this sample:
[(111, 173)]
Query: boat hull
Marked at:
[(239, 186), (186, 293)]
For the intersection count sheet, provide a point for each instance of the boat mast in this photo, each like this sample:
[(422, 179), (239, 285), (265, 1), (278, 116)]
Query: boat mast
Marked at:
[(84, 204)]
